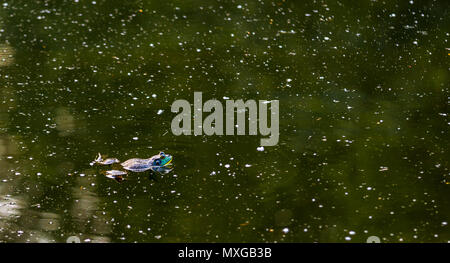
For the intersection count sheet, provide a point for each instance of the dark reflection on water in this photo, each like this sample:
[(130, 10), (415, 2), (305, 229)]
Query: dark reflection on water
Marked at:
[(363, 93)]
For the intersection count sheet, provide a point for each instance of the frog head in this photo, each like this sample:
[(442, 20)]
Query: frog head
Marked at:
[(161, 159)]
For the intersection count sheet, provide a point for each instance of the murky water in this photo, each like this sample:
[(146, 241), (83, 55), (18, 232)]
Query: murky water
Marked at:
[(363, 91)]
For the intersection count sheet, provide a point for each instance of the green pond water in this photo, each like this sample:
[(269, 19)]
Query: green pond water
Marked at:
[(364, 102)]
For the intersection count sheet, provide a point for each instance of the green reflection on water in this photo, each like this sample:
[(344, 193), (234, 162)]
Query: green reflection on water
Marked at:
[(363, 91)]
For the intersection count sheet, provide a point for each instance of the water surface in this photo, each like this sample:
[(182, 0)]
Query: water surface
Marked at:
[(363, 91)]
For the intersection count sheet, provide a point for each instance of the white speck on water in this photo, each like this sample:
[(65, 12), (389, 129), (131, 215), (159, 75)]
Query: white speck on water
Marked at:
[(226, 98), (348, 238), (285, 230), (288, 80), (444, 223), (135, 138), (383, 168), (248, 165), (260, 149), (160, 112), (227, 166), (153, 95), (352, 233)]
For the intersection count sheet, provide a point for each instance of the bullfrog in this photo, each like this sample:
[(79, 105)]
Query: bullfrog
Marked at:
[(160, 163), (141, 165)]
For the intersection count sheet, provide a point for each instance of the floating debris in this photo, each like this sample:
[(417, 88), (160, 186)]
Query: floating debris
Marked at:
[(383, 168)]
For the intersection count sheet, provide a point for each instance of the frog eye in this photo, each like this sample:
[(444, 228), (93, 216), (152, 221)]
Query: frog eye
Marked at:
[(158, 162), (162, 154)]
